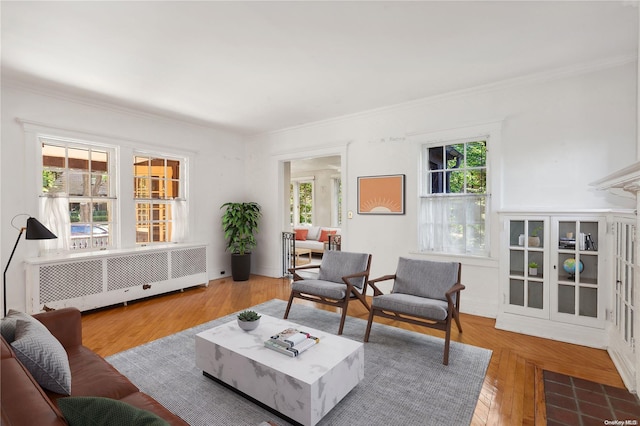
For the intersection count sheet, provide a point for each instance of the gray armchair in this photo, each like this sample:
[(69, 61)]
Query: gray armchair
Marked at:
[(342, 276), (424, 293)]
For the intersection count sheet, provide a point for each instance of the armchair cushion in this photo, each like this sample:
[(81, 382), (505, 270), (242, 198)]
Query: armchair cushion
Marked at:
[(337, 264), (425, 278), (320, 288), (411, 305)]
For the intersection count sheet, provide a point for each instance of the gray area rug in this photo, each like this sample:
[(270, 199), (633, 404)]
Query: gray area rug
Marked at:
[(404, 382)]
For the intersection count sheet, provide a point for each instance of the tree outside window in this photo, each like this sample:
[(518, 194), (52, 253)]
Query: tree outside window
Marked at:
[(301, 202)]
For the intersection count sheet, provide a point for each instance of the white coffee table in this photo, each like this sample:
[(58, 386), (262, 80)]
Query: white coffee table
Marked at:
[(304, 388)]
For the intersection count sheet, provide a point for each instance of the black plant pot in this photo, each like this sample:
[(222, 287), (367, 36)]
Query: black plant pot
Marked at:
[(240, 266)]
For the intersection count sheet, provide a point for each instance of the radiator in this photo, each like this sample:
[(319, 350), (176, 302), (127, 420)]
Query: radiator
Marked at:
[(99, 279)]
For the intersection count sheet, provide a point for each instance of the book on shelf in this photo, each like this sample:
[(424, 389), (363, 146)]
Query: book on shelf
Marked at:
[(291, 342)]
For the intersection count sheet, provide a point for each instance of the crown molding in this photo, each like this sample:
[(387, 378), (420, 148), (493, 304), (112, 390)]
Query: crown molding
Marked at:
[(90, 99), (522, 81)]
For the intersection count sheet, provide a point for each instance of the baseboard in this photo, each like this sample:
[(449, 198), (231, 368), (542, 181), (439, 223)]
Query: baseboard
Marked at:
[(568, 333)]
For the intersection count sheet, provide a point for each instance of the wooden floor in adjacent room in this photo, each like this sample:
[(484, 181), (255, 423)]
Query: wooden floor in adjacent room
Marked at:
[(508, 395)]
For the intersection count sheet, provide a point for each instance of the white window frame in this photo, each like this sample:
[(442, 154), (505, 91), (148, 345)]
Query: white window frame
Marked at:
[(336, 206), (66, 240), (295, 182), (171, 202), (492, 133)]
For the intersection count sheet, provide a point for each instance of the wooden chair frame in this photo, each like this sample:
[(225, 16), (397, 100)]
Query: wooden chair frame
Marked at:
[(453, 312), (351, 292)]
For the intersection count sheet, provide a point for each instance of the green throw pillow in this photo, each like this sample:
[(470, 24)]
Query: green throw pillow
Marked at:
[(98, 411)]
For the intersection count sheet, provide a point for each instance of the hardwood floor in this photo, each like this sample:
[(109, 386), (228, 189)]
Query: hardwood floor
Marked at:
[(508, 395)]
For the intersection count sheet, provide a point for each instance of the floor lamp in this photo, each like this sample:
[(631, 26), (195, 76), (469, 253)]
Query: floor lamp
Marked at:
[(35, 231)]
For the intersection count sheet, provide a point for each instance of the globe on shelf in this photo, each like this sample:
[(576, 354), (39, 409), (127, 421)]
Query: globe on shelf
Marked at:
[(569, 266)]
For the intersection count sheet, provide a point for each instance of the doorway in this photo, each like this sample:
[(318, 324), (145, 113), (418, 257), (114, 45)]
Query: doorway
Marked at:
[(315, 191)]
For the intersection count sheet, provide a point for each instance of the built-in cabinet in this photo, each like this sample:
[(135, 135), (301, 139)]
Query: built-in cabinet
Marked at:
[(554, 277)]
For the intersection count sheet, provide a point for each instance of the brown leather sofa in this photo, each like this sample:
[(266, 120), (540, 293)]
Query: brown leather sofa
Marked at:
[(25, 402)]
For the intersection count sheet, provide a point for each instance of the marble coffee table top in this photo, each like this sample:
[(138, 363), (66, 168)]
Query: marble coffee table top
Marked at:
[(309, 366)]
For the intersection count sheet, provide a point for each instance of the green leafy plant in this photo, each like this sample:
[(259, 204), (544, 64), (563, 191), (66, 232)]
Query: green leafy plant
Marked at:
[(240, 224), (535, 231), (248, 316), (533, 265)]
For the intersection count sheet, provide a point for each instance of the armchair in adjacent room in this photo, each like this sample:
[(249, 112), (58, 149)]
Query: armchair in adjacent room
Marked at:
[(425, 293)]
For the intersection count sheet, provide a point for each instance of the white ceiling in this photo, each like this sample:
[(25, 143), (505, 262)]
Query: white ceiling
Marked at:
[(259, 66)]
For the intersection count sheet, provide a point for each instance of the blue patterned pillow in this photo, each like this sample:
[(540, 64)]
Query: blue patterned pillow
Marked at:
[(43, 355), (98, 411)]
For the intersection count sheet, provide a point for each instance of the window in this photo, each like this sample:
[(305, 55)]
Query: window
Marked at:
[(301, 202), (454, 199), (336, 187), (78, 193), (158, 184)]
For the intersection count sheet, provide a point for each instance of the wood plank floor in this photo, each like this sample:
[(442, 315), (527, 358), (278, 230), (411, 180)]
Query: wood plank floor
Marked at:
[(508, 395)]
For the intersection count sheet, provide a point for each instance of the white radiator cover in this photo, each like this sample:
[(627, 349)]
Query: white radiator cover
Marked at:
[(97, 279)]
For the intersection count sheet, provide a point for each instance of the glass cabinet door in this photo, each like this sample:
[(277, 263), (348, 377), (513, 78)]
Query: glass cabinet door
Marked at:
[(576, 271), (527, 288)]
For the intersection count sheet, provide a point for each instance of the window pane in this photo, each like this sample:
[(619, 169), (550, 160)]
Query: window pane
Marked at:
[(456, 182), (99, 161), (477, 181), (78, 159), (141, 166), (436, 159), (100, 185), (143, 232), (80, 211), (306, 202), (79, 184), (173, 191), (173, 169), (101, 212), (141, 187), (54, 156), (455, 156), (157, 167), (54, 181), (437, 182), (476, 154), (157, 188)]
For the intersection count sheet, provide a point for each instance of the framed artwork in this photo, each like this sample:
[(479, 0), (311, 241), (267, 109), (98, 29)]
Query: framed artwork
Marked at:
[(381, 194)]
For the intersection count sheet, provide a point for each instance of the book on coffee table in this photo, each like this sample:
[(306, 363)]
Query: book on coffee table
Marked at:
[(291, 342)]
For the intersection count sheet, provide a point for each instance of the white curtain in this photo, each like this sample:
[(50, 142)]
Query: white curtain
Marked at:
[(180, 213), (453, 224), (55, 216)]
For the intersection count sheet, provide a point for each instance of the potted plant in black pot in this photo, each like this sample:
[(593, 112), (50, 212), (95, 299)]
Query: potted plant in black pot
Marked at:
[(240, 224)]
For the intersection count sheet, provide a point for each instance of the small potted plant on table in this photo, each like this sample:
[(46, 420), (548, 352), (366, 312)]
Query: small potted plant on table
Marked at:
[(248, 320), (533, 268)]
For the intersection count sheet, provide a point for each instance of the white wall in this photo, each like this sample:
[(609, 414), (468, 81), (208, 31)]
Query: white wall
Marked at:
[(559, 132), (217, 167)]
